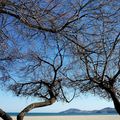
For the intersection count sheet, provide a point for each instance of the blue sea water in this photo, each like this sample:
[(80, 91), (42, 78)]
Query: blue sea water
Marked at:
[(53, 114)]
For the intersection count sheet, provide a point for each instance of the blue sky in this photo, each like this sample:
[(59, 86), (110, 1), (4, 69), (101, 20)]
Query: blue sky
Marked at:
[(11, 103)]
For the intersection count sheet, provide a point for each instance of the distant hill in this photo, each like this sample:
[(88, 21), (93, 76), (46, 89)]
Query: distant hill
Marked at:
[(107, 110), (72, 110)]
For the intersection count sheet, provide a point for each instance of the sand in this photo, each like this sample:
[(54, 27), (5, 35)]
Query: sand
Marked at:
[(98, 117)]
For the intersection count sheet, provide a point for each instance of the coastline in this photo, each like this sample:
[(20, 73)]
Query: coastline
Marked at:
[(90, 117)]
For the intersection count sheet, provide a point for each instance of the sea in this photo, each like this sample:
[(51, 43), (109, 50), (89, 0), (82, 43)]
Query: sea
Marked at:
[(55, 114)]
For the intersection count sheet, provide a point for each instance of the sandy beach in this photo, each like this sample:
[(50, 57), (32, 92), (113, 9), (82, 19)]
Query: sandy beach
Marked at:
[(97, 117)]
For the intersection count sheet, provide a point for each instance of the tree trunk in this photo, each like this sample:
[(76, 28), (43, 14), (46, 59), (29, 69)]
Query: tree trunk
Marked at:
[(4, 115), (115, 101), (34, 105)]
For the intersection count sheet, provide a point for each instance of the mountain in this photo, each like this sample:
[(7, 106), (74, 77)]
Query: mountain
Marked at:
[(72, 110), (107, 110)]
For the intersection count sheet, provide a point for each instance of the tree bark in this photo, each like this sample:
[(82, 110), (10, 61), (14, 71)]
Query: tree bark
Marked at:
[(115, 101), (4, 115), (34, 105)]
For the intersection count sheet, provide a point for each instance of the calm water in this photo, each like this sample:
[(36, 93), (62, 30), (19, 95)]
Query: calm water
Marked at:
[(55, 114)]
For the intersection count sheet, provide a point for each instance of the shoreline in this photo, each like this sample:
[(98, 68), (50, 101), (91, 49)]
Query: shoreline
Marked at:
[(82, 117)]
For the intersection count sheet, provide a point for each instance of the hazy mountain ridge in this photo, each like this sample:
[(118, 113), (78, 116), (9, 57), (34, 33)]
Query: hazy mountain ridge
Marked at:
[(107, 110)]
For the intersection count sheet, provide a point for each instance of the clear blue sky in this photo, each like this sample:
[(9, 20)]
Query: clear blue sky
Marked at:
[(10, 103)]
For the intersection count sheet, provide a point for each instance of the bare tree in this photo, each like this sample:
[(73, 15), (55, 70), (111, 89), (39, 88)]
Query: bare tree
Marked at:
[(35, 19), (96, 54), (43, 15), (39, 35), (23, 21), (37, 74), (4, 115)]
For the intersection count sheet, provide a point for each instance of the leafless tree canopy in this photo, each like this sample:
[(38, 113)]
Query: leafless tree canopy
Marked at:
[(96, 54), (48, 47)]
